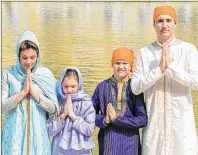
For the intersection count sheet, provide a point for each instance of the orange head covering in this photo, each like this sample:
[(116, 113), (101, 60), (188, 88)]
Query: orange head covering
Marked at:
[(164, 10), (123, 53)]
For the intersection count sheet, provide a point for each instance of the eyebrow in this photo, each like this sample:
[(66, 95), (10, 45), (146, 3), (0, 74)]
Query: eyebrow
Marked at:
[(27, 56), (164, 19), (70, 85), (120, 62)]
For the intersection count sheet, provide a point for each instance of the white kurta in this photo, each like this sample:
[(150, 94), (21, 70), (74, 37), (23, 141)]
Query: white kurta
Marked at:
[(171, 124)]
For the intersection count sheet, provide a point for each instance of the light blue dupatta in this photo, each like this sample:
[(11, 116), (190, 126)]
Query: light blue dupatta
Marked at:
[(14, 132)]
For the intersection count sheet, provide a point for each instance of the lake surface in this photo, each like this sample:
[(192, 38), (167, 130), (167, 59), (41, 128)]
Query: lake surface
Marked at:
[(84, 34)]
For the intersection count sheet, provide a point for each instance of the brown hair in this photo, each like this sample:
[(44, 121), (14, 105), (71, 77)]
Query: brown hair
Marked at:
[(27, 45), (71, 72)]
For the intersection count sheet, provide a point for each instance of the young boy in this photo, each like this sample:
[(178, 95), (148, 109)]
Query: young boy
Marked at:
[(119, 113)]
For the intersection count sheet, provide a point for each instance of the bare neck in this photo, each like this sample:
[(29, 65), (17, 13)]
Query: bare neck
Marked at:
[(166, 40)]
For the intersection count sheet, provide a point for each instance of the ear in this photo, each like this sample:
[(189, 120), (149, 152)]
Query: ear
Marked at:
[(132, 68), (154, 24)]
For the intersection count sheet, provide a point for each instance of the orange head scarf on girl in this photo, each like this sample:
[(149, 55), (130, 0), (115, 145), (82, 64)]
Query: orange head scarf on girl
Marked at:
[(165, 10), (123, 53)]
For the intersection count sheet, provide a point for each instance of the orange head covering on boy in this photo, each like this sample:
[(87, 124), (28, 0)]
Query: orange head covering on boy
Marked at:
[(123, 53), (164, 10)]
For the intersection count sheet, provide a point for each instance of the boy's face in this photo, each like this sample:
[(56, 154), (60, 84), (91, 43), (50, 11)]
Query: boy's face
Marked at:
[(121, 69), (70, 85)]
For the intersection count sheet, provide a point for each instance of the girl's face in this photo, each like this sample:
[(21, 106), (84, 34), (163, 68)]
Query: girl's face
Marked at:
[(70, 85), (28, 58)]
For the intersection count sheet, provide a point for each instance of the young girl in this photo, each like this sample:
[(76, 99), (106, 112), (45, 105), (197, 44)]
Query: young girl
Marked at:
[(120, 113), (73, 127)]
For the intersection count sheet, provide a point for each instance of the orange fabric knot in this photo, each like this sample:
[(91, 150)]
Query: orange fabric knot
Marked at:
[(123, 53), (164, 10)]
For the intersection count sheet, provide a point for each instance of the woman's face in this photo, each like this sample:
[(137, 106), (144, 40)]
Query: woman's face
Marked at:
[(70, 85), (28, 58)]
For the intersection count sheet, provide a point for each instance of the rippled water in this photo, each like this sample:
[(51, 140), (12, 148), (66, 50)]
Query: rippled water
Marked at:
[(84, 34)]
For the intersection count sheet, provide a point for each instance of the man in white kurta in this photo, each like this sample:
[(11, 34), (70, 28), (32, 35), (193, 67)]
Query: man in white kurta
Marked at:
[(166, 71)]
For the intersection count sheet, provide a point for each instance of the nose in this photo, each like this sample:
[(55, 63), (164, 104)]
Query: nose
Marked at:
[(69, 90), (164, 24), (28, 61)]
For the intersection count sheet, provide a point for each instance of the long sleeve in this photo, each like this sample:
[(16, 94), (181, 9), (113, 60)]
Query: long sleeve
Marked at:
[(7, 102), (140, 80), (134, 121), (187, 77), (96, 103), (55, 125), (86, 126), (45, 83), (47, 104)]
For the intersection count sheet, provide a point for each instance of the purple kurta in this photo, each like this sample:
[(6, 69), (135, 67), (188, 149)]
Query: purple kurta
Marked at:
[(73, 137), (120, 137)]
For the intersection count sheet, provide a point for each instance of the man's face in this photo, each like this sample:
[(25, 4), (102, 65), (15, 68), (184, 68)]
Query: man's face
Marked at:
[(164, 26)]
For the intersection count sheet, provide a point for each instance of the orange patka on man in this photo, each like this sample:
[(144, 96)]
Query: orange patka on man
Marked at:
[(166, 71), (164, 10)]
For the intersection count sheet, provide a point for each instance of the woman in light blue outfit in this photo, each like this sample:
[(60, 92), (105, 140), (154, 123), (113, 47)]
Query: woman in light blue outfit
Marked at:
[(72, 128), (28, 97)]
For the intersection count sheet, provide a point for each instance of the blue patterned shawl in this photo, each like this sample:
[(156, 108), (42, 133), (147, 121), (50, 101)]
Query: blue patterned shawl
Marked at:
[(14, 132)]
